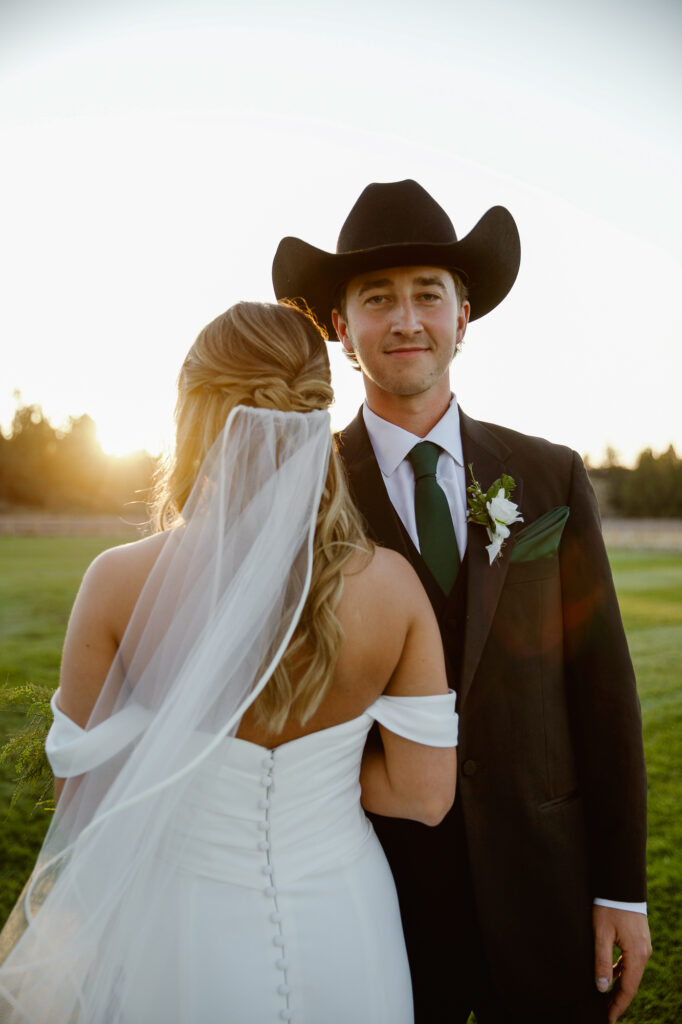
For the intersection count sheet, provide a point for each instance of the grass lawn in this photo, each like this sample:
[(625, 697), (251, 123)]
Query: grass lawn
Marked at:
[(650, 593), (38, 581), (39, 577)]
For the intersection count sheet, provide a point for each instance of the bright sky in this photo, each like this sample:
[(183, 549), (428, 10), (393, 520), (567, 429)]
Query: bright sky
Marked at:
[(155, 152)]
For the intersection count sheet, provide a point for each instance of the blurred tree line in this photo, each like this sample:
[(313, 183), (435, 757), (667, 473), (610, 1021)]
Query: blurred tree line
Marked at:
[(41, 467), (652, 490)]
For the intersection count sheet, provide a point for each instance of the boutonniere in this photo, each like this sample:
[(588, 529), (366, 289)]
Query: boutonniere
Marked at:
[(493, 509)]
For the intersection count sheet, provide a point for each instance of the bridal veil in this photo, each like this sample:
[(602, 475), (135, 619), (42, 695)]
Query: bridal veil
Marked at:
[(215, 616)]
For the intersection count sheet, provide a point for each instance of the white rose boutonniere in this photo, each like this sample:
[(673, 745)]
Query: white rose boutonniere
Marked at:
[(493, 509)]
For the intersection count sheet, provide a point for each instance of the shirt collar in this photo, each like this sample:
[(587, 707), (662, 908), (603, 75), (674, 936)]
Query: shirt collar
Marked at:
[(391, 443)]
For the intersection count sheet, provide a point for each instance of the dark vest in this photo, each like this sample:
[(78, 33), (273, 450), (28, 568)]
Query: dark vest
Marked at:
[(450, 610)]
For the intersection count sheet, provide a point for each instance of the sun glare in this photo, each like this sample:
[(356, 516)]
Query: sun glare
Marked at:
[(119, 438)]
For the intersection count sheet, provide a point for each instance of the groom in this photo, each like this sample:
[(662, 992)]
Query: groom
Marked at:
[(512, 905)]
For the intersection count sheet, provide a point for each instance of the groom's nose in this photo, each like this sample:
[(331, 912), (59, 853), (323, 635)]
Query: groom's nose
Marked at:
[(406, 319)]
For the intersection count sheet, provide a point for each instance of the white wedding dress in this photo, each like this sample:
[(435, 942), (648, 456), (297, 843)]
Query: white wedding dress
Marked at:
[(283, 906)]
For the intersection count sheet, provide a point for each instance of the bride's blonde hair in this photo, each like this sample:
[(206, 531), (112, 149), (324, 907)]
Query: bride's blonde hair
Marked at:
[(272, 357)]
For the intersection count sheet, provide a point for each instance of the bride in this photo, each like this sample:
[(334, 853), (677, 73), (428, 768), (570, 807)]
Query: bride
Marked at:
[(209, 859)]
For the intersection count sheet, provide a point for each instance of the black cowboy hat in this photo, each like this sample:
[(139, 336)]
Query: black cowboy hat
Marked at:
[(398, 224)]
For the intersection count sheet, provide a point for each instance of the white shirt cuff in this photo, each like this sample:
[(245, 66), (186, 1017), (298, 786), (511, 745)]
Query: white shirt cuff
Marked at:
[(635, 908)]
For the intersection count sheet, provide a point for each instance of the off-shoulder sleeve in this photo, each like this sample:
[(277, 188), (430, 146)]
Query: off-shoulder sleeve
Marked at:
[(74, 751), (429, 720)]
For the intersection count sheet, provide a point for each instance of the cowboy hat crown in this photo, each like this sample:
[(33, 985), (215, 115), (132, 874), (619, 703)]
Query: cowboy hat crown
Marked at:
[(398, 224)]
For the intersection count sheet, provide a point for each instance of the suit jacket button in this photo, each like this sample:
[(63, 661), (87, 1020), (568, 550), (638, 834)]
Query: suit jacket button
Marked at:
[(469, 768)]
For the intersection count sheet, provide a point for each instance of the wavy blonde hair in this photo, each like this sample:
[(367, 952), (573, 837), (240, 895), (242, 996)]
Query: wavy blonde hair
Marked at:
[(271, 357)]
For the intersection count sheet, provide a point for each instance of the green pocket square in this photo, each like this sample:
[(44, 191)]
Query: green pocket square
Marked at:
[(541, 538)]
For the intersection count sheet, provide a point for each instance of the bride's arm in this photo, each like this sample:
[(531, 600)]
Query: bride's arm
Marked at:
[(100, 614), (89, 646), (402, 778)]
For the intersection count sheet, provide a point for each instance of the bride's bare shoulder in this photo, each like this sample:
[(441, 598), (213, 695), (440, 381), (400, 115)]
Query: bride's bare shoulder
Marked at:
[(128, 560), (114, 580), (386, 577), (383, 610)]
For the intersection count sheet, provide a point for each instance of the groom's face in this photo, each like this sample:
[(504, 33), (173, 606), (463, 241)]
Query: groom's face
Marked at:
[(404, 325)]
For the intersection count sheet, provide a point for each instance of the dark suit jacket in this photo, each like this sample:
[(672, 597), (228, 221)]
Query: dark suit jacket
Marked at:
[(552, 786)]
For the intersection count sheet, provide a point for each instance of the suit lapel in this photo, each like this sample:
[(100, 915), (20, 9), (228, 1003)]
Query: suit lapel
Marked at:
[(488, 457), (367, 486), (371, 497)]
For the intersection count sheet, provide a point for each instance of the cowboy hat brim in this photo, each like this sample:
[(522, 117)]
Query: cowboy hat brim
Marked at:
[(487, 259)]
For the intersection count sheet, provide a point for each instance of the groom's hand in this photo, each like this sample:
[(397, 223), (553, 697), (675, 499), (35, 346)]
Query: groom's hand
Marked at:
[(630, 931)]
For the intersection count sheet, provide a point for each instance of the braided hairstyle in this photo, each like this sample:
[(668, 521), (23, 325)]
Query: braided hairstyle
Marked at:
[(271, 357)]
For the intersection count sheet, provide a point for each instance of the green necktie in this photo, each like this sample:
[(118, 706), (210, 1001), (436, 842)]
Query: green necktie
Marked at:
[(437, 538)]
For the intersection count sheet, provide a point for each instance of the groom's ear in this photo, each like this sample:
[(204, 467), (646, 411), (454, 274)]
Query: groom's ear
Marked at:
[(463, 314), (341, 328)]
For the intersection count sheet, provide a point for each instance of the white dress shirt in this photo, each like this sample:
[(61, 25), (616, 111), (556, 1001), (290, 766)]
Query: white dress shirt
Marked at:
[(391, 446)]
